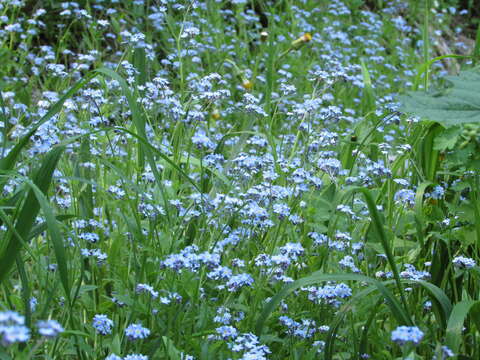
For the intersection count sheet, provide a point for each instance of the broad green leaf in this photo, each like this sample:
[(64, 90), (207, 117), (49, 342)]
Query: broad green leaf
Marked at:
[(447, 139), (459, 103)]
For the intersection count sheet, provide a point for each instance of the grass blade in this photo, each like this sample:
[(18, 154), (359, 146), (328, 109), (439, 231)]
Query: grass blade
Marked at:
[(55, 236), (476, 50), (441, 302), (7, 162), (419, 217), (162, 155), (455, 322), (378, 226), (368, 99), (29, 211), (139, 121), (332, 333), (26, 291), (400, 314)]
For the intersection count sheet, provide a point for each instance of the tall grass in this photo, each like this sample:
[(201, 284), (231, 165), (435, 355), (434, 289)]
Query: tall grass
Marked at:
[(234, 180)]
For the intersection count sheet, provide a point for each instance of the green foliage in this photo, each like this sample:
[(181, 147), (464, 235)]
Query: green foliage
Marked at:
[(135, 186), (457, 104), (456, 321), (24, 220)]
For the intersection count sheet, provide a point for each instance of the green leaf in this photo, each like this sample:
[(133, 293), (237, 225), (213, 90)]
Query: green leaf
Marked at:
[(441, 303), (40, 228), (368, 99), (54, 232), (476, 49), (457, 104), (171, 351), (167, 159), (28, 212), (4, 355), (428, 156), (424, 69), (455, 322), (138, 118), (339, 317), (7, 162), (447, 139), (419, 216), (377, 224)]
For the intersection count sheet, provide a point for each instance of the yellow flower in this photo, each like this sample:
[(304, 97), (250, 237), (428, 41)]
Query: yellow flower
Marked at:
[(247, 84), (306, 37), (216, 114), (297, 44)]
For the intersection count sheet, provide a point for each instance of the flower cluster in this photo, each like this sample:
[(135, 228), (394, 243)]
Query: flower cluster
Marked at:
[(136, 332), (102, 324), (407, 334), (464, 262), (12, 328)]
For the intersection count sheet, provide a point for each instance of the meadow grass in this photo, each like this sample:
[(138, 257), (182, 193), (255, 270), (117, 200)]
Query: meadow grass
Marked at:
[(236, 180)]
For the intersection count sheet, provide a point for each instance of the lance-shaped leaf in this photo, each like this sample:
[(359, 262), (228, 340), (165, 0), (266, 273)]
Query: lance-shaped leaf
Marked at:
[(27, 215)]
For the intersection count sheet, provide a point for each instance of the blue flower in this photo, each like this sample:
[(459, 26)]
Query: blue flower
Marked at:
[(464, 262), (405, 196), (49, 328), (407, 334), (136, 357), (33, 303), (102, 324), (12, 333), (238, 281), (226, 332), (145, 288), (437, 193), (136, 331), (113, 357)]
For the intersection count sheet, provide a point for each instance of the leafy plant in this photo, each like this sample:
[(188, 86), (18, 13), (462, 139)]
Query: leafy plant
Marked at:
[(457, 104)]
